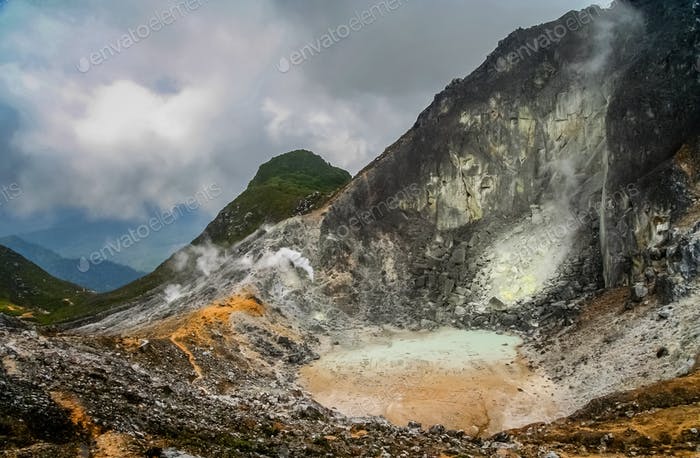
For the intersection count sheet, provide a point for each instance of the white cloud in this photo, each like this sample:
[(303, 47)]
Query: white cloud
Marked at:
[(344, 131), (201, 101), (125, 114)]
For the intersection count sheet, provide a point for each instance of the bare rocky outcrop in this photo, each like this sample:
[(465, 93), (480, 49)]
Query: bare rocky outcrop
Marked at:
[(521, 190)]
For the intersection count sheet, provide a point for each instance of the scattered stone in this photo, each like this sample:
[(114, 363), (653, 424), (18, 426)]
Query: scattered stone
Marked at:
[(437, 429), (154, 452), (662, 352), (171, 453), (639, 292), (7, 321), (497, 305), (427, 324), (650, 274)]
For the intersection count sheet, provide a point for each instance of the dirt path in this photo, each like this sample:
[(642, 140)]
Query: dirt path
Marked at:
[(190, 356)]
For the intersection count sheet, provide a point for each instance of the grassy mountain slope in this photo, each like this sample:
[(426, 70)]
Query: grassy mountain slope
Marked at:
[(104, 277), (27, 290), (291, 184)]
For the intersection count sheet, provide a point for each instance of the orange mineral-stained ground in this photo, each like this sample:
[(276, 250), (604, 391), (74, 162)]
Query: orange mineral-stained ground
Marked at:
[(198, 328)]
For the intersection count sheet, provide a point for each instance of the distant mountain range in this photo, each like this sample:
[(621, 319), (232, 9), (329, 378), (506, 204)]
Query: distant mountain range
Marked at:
[(28, 291), (75, 236), (106, 276), (295, 183)]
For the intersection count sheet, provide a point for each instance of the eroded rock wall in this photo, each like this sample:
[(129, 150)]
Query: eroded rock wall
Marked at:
[(505, 184)]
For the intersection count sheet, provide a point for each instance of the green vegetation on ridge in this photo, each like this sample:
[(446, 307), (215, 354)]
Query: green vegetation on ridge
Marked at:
[(291, 184), (26, 289)]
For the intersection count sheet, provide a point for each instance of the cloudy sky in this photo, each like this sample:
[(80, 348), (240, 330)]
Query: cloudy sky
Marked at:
[(110, 108)]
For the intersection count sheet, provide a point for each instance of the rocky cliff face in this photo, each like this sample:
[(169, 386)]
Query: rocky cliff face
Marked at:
[(522, 176), (510, 206), (652, 127), (559, 167)]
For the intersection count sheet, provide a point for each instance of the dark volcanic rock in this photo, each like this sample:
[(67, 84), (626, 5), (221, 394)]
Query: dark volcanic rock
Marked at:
[(593, 121)]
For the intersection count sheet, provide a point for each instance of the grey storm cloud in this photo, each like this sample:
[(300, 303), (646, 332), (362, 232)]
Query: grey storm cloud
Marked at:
[(201, 100)]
